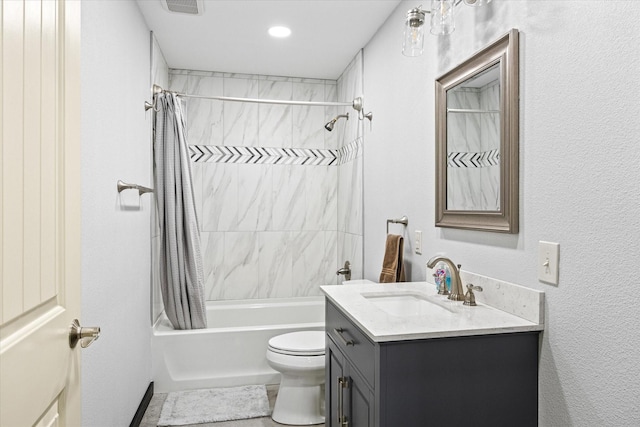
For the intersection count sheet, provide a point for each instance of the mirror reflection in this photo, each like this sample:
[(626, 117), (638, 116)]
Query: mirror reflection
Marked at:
[(473, 143)]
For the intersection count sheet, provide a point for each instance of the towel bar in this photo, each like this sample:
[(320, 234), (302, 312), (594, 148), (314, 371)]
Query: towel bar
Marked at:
[(404, 221), (141, 190)]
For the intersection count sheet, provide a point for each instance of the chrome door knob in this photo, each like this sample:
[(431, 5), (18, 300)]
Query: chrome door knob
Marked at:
[(86, 335)]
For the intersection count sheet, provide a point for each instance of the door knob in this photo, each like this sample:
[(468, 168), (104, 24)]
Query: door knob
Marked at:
[(86, 336)]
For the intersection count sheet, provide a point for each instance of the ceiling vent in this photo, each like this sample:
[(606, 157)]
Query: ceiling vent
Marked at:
[(190, 7)]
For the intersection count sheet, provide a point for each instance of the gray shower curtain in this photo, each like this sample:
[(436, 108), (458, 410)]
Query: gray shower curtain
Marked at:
[(180, 263)]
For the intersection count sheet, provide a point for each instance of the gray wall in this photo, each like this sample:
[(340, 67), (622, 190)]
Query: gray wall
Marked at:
[(579, 152), (116, 369)]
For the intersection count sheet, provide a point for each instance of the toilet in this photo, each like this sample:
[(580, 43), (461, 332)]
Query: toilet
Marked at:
[(299, 357)]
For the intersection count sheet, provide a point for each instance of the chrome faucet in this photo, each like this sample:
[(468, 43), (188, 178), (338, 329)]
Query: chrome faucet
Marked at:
[(457, 294)]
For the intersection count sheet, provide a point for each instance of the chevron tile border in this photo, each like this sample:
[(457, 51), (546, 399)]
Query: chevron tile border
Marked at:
[(480, 159), (275, 156), (350, 151)]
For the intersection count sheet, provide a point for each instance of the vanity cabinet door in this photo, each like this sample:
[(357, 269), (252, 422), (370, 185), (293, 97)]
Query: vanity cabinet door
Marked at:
[(348, 399), (359, 400), (334, 374)]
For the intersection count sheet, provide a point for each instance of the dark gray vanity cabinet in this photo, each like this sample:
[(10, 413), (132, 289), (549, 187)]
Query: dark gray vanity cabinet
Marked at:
[(350, 371), (351, 396), (482, 380)]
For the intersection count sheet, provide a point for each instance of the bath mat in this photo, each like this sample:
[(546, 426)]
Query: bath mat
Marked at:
[(214, 405)]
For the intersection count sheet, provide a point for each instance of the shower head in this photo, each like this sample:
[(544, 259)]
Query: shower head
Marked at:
[(329, 125)]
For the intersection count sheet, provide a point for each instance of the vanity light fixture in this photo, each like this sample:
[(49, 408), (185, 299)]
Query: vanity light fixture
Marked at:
[(414, 32), (441, 24), (442, 17)]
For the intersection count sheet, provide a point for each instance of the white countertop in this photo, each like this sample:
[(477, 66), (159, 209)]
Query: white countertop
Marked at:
[(456, 320)]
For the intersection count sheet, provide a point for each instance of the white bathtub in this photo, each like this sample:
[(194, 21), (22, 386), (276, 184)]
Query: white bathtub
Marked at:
[(232, 350)]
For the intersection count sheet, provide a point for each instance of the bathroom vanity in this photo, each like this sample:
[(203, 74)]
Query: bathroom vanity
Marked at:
[(400, 355)]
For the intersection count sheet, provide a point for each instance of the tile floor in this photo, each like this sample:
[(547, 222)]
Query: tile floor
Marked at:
[(152, 414)]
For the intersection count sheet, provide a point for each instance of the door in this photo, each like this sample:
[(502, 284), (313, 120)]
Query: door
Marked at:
[(40, 212)]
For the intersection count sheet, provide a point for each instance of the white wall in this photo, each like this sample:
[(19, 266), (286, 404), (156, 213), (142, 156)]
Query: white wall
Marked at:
[(580, 181), (116, 369)]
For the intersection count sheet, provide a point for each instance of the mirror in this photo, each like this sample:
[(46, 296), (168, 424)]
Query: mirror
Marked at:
[(477, 141)]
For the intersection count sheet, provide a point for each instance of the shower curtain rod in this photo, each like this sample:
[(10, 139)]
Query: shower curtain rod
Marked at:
[(356, 104)]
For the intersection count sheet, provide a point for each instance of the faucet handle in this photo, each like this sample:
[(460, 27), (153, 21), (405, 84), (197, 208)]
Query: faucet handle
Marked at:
[(469, 297), (346, 271)]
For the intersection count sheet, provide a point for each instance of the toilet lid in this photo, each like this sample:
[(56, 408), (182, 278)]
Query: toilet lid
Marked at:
[(304, 343)]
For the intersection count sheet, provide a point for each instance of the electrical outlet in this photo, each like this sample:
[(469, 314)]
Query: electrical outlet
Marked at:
[(418, 244), (548, 262)]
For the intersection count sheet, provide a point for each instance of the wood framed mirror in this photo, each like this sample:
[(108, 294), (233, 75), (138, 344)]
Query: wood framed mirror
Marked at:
[(477, 154)]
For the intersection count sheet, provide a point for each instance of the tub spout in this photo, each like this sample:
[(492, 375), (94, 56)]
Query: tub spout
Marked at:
[(457, 294)]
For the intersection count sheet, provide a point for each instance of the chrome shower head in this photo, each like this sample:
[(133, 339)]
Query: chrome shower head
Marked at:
[(329, 126)]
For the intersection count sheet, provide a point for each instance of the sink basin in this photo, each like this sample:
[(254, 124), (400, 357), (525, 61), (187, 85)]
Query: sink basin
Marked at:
[(409, 303)]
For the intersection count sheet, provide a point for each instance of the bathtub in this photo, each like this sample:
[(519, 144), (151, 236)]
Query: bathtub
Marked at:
[(231, 351)]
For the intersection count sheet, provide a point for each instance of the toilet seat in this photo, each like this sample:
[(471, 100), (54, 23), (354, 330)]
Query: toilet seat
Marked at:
[(303, 343)]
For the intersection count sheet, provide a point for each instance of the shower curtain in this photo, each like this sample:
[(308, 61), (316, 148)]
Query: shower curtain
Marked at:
[(180, 260)]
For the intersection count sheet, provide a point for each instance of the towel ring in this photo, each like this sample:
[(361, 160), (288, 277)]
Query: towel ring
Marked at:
[(404, 221)]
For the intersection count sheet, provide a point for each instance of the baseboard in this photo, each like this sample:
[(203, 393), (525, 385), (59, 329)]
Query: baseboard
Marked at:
[(144, 404)]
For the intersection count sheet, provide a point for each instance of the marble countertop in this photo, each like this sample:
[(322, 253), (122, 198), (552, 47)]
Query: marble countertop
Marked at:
[(449, 319)]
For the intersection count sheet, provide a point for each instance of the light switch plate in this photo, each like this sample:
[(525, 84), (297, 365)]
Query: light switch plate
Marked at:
[(548, 262), (418, 244)]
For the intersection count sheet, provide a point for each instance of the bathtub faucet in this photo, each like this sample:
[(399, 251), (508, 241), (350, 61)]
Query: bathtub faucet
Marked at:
[(345, 271)]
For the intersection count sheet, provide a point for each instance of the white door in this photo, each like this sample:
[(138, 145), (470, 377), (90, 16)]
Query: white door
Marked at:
[(40, 222)]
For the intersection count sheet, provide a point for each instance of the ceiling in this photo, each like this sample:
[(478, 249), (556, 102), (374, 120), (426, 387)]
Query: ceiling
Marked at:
[(231, 36)]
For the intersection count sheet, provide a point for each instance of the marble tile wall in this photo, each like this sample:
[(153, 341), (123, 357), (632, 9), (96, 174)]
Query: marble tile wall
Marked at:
[(473, 150), (350, 191), (269, 218)]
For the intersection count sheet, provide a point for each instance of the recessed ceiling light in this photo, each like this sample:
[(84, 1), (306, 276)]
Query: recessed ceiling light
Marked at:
[(279, 32)]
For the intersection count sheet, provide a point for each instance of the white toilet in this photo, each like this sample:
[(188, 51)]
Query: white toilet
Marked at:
[(299, 357)]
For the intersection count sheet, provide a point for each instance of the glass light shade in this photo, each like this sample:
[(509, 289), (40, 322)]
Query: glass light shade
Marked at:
[(442, 17), (413, 43)]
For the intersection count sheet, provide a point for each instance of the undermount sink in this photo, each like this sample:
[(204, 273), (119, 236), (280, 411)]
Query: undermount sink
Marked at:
[(409, 303)]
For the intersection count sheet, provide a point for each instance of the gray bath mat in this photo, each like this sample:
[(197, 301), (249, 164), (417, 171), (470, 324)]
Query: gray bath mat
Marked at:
[(213, 405)]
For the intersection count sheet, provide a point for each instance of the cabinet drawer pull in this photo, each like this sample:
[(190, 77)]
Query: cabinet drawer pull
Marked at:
[(346, 342)]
